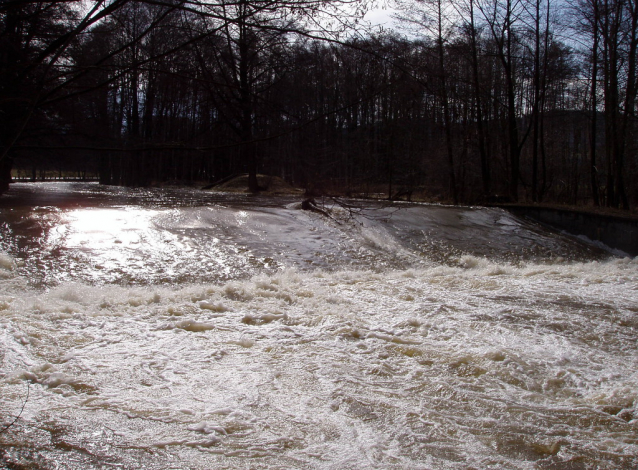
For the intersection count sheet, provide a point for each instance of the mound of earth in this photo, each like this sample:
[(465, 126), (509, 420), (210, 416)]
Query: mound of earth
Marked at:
[(269, 185)]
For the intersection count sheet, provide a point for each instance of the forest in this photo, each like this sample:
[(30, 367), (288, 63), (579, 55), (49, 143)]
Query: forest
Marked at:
[(464, 101)]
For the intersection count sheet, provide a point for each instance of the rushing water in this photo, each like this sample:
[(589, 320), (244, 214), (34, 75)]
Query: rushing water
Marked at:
[(180, 329)]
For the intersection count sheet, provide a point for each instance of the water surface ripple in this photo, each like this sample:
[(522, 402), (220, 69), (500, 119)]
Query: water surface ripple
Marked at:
[(166, 329)]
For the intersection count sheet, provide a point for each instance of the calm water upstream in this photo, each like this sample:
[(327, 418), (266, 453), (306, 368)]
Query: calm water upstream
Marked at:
[(178, 329)]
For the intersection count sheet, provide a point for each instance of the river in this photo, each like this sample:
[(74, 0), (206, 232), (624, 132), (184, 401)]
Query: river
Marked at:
[(182, 329)]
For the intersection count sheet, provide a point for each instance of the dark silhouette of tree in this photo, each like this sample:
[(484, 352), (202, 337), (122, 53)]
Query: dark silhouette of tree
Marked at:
[(35, 40), (486, 103)]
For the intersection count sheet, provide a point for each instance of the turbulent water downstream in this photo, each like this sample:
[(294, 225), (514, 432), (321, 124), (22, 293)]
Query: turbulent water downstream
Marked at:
[(176, 329)]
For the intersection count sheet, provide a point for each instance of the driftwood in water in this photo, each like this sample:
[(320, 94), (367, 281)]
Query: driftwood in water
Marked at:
[(310, 205), (346, 211)]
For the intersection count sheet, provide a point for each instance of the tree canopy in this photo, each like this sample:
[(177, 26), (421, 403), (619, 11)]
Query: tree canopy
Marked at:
[(474, 101)]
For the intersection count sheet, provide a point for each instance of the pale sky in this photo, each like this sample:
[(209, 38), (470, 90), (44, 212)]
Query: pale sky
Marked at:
[(381, 17)]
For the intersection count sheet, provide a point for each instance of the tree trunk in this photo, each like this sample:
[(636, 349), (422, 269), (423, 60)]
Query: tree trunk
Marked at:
[(593, 170), (480, 126), (446, 108)]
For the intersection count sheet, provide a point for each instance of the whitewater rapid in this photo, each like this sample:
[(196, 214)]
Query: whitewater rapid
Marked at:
[(408, 349)]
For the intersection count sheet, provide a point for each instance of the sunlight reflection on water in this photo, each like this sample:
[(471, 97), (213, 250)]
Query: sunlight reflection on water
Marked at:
[(64, 232), (224, 332), (103, 228)]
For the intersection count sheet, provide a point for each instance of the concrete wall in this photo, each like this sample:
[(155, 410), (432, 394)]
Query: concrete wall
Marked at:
[(616, 232)]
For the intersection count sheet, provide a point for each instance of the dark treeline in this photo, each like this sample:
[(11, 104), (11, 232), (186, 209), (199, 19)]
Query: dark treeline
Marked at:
[(484, 99)]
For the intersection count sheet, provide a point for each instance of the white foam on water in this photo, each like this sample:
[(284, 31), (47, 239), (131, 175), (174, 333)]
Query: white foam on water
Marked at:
[(7, 263), (272, 337), (472, 364)]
